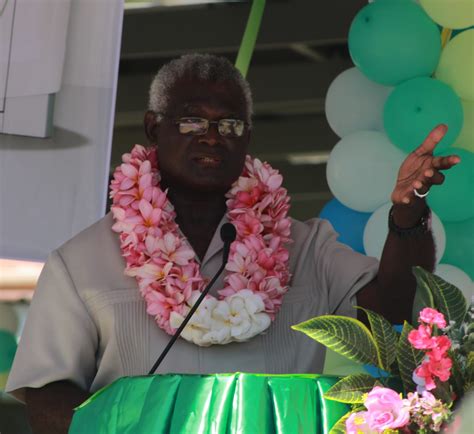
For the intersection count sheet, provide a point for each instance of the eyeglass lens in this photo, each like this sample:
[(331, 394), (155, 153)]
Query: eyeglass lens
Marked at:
[(200, 126)]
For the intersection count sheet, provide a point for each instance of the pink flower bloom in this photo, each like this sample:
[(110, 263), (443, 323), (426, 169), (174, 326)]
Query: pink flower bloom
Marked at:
[(441, 345), (432, 367), (386, 409), (246, 224), (440, 367), (358, 423), (152, 271), (265, 259), (173, 251), (247, 199), (421, 338), (433, 317), (425, 374), (428, 413), (151, 216)]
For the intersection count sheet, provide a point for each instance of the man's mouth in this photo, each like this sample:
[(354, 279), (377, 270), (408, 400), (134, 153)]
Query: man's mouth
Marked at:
[(208, 160)]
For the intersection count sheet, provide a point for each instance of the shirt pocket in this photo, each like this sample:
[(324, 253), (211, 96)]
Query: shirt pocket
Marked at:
[(124, 329)]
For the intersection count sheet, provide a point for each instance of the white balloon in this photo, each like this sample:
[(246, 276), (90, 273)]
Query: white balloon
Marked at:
[(376, 231), (354, 103), (458, 278), (362, 170), (8, 318)]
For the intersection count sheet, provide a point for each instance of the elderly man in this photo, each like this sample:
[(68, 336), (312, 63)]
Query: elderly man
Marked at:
[(108, 299)]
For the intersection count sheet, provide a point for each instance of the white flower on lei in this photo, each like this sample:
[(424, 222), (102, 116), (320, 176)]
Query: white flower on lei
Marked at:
[(237, 318)]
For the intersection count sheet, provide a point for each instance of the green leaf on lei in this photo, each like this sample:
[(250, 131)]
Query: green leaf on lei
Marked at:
[(344, 335)]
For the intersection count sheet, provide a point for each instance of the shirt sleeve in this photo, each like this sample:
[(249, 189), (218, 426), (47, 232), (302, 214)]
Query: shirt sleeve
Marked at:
[(340, 271), (59, 340)]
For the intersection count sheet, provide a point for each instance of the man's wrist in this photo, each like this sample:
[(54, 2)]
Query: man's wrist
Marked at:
[(407, 216), (406, 223)]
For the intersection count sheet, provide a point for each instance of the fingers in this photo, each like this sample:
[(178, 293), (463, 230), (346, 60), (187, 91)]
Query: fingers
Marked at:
[(443, 163), (434, 178), (433, 138), (422, 184)]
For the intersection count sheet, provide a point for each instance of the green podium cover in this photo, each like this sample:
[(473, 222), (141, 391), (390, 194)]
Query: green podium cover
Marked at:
[(211, 404)]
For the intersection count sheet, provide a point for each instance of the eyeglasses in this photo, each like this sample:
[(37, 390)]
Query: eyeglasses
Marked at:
[(199, 126)]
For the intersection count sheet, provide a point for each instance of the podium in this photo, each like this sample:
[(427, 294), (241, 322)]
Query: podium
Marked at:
[(211, 404)]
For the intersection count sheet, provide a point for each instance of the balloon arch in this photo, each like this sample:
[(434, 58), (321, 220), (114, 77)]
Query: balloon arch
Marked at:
[(414, 69)]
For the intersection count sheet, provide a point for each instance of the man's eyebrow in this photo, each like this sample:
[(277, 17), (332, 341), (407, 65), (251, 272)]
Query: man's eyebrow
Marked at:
[(192, 108)]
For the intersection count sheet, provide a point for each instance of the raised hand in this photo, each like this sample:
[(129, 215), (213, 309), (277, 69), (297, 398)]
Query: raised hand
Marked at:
[(421, 169)]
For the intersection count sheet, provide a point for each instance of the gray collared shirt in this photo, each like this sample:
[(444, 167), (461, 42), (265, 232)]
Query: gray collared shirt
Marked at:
[(88, 323)]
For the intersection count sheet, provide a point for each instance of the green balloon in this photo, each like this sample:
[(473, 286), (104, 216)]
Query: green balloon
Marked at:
[(454, 199), (456, 64), (460, 245), (7, 350), (393, 41), (465, 139), (417, 106)]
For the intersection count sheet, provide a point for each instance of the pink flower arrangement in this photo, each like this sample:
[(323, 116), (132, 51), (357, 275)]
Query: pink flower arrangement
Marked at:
[(164, 263), (386, 410), (437, 363)]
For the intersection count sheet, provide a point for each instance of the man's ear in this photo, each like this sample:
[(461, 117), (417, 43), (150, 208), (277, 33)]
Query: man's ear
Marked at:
[(150, 125)]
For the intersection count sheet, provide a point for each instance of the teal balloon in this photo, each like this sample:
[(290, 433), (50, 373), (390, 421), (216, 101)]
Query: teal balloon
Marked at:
[(454, 199), (7, 350), (394, 41), (417, 106), (460, 245)]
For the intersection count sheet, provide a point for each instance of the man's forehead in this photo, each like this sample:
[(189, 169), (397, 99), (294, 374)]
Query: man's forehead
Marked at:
[(196, 94)]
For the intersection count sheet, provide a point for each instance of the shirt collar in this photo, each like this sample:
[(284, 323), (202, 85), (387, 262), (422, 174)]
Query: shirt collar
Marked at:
[(216, 244)]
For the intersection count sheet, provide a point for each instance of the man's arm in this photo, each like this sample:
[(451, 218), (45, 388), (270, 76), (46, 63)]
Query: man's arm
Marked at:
[(50, 408), (392, 292)]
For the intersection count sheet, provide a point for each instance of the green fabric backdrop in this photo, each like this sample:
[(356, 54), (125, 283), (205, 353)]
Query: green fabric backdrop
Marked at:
[(211, 404)]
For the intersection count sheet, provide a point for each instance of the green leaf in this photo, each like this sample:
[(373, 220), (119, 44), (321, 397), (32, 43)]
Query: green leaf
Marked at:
[(344, 335), (469, 372), (408, 358), (423, 296), (351, 389), (385, 337), (458, 377), (448, 299), (340, 426)]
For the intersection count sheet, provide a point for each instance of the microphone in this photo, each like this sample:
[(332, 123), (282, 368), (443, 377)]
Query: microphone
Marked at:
[(228, 234)]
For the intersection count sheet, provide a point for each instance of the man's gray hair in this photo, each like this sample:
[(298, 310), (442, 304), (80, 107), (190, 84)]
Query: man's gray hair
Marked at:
[(205, 67)]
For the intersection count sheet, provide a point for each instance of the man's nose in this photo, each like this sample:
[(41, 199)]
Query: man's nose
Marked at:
[(212, 137)]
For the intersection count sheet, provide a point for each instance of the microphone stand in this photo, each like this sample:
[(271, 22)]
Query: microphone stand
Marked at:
[(228, 234)]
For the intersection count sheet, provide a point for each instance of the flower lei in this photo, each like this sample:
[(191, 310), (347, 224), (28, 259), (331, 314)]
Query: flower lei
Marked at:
[(165, 266)]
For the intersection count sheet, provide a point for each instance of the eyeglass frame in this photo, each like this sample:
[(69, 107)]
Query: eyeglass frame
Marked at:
[(176, 121)]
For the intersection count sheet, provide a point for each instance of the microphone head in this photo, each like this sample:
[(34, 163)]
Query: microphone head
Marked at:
[(228, 233)]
